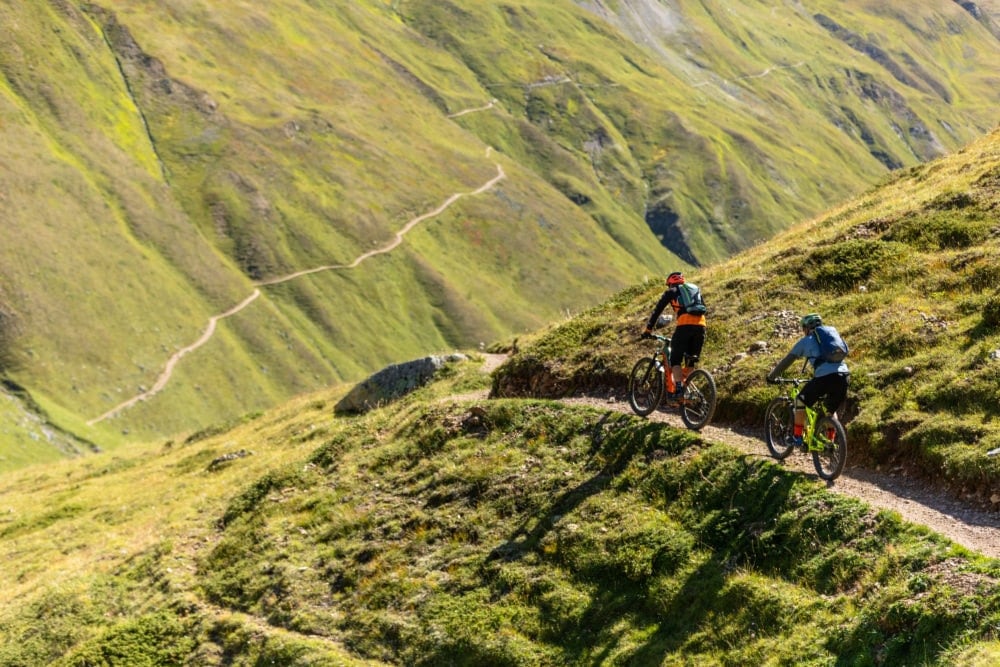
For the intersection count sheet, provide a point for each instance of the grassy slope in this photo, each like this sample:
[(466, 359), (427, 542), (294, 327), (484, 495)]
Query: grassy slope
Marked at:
[(511, 532), (293, 178), (178, 151), (907, 272), (774, 89)]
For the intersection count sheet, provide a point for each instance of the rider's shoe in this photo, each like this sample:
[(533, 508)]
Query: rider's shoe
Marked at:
[(798, 443)]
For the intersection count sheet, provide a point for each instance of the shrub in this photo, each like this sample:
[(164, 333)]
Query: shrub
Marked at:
[(945, 229), (248, 500), (985, 276), (156, 639), (991, 313), (840, 267)]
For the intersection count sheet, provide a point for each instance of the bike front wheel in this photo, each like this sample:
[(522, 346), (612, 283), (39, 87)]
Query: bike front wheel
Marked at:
[(779, 422), (645, 387), (829, 448), (699, 401)]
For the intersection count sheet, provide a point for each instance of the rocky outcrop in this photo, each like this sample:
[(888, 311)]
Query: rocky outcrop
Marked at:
[(393, 382)]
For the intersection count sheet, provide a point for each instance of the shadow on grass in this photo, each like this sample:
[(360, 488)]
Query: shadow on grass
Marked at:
[(615, 439)]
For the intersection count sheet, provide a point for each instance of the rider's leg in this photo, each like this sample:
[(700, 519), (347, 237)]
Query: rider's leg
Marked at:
[(685, 345), (800, 420), (678, 345), (836, 388), (807, 396)]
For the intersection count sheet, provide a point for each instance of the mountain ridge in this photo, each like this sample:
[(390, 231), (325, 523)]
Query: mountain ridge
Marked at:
[(908, 274), (173, 154)]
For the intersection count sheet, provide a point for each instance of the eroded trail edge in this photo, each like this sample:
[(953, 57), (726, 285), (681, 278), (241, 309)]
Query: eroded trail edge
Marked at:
[(962, 523)]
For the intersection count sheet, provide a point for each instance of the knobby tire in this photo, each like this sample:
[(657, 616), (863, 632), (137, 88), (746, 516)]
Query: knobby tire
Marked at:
[(645, 387), (700, 399), (779, 427), (830, 460)]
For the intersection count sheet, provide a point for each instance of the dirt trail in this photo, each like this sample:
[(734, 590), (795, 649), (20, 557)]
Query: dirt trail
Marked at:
[(962, 523), (966, 525), (168, 368)]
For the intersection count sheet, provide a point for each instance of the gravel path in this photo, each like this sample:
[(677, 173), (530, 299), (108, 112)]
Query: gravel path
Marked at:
[(964, 524), (969, 526)]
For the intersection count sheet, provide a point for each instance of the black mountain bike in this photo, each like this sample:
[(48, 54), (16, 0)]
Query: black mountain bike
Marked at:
[(651, 380), (823, 436)]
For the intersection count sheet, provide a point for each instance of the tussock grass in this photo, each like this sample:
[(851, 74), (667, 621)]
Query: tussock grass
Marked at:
[(476, 532)]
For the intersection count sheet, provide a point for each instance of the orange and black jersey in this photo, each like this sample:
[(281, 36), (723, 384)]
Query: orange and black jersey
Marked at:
[(672, 297)]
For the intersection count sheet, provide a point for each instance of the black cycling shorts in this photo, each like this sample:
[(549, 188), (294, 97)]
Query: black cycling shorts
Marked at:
[(686, 343), (831, 388)]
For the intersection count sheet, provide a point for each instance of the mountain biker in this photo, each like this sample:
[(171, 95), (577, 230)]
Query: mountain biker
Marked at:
[(829, 381), (689, 334)]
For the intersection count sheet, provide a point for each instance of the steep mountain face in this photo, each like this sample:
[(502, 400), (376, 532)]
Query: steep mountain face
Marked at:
[(209, 207), (986, 12), (879, 75)]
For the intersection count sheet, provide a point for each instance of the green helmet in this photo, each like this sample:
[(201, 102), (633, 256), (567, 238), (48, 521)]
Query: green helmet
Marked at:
[(811, 321)]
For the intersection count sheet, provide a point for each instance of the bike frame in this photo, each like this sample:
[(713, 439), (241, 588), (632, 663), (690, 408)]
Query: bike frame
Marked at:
[(809, 428), (662, 358)]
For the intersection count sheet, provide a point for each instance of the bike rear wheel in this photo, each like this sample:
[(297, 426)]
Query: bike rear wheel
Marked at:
[(779, 424), (831, 456), (699, 401), (645, 387)]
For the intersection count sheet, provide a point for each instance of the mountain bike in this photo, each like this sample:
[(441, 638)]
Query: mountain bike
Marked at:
[(651, 379), (823, 435)]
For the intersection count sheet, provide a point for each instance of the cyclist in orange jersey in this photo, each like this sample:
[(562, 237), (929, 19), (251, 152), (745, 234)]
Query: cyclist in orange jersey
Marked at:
[(689, 334)]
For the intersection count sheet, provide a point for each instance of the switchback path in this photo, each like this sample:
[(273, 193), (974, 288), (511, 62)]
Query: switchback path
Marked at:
[(168, 369), (759, 75)]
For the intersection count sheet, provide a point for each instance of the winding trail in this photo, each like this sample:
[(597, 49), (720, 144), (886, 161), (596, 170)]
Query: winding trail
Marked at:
[(915, 501), (758, 75), (172, 362), (168, 370), (962, 523), (487, 107)]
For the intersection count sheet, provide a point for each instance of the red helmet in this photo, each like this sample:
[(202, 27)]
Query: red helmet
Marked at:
[(675, 278)]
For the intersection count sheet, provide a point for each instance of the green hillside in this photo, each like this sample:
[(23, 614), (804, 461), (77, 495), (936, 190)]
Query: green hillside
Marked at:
[(164, 161), (909, 273), (472, 532)]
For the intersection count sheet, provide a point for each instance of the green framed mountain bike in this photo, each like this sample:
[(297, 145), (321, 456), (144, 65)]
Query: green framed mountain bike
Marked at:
[(651, 379), (823, 435)]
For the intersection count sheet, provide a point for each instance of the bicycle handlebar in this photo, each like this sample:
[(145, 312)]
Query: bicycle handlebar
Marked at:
[(790, 380)]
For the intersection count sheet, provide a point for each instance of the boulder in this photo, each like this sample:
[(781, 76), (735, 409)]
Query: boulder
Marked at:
[(393, 382)]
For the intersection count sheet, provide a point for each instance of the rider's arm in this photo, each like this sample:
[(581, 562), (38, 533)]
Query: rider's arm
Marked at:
[(780, 368), (660, 305)]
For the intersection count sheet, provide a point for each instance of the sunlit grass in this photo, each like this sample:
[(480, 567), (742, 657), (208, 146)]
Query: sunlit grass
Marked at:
[(518, 531), (904, 272), (171, 153)]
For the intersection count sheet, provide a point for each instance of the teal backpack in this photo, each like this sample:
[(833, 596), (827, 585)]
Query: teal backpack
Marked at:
[(689, 296)]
